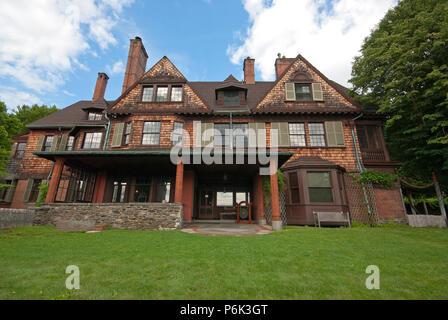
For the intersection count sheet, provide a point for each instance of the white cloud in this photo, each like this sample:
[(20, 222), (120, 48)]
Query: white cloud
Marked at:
[(41, 40), (117, 68), (327, 37), (14, 98)]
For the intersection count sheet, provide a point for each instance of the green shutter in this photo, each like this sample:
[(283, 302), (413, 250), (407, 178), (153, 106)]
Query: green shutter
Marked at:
[(40, 143), (290, 91), (27, 193), (206, 140), (317, 91), (257, 135), (11, 190), (63, 143), (118, 135), (283, 133), (334, 131), (14, 148), (54, 144)]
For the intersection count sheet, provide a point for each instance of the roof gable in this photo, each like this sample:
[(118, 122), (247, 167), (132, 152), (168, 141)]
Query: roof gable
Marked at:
[(301, 71)]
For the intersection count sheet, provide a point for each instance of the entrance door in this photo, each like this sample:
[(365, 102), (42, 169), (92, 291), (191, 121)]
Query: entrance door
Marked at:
[(206, 200)]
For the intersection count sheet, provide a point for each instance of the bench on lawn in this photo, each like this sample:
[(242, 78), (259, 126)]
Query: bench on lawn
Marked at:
[(333, 217)]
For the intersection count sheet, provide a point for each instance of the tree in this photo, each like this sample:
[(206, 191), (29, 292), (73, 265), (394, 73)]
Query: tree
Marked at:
[(27, 114), (403, 70)]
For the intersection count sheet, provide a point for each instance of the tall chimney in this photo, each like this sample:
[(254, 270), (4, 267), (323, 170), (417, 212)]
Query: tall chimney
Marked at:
[(249, 70), (281, 64), (136, 64), (100, 87)]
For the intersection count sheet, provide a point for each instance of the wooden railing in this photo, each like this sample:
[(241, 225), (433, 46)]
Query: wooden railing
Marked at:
[(373, 155)]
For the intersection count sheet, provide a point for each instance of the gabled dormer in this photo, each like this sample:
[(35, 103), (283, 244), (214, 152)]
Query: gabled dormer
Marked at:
[(231, 93)]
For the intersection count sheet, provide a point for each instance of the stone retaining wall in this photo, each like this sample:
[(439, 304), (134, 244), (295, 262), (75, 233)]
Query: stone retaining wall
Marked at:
[(137, 216), (13, 218), (420, 220)]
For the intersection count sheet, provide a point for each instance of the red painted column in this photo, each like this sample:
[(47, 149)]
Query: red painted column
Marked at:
[(179, 182), (276, 218), (258, 199), (100, 187), (188, 195), (54, 180)]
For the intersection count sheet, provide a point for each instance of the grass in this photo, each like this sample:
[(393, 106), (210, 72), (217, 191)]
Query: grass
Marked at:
[(298, 263)]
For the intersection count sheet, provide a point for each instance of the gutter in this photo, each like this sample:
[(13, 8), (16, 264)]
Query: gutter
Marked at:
[(107, 127)]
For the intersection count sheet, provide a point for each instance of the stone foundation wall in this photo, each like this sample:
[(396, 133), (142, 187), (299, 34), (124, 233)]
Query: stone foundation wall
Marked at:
[(13, 218), (137, 216), (420, 220)]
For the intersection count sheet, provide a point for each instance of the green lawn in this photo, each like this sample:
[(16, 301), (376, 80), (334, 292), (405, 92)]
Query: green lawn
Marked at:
[(298, 263)]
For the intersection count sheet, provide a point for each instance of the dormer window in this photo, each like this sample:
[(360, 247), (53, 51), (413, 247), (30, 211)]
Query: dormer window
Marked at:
[(231, 98), (302, 88), (95, 116), (147, 94), (162, 93), (303, 92)]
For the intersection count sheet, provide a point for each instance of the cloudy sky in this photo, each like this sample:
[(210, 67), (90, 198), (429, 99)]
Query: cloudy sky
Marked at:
[(52, 50)]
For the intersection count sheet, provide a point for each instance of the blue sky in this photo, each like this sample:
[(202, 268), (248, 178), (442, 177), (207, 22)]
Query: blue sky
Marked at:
[(52, 50)]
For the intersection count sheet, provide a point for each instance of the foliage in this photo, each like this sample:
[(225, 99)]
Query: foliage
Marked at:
[(27, 114), (267, 185), (43, 190), (403, 70), (381, 179)]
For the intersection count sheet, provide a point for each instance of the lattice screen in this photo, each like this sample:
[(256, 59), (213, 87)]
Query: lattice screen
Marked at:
[(268, 208)]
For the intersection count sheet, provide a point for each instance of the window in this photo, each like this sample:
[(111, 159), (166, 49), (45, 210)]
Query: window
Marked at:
[(221, 137), (151, 133), (142, 189), (48, 143), (368, 137), (95, 116), (317, 134), (92, 140), (70, 143), (319, 187), (240, 135), (127, 133), (34, 190), (4, 191), (20, 150), (294, 187), (297, 134), (162, 94), (224, 199), (242, 196), (119, 192), (176, 93), (303, 92), (147, 94), (231, 98), (163, 190), (176, 137)]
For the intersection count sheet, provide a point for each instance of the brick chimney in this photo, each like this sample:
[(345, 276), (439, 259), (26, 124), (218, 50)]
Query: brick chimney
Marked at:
[(136, 64), (281, 64), (100, 87), (249, 71)]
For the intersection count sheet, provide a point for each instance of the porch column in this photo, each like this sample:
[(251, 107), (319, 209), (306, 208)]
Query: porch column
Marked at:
[(188, 195), (54, 180), (276, 218), (258, 200), (100, 187), (179, 181)]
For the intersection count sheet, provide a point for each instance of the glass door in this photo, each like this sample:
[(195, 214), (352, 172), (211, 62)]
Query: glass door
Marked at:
[(206, 201)]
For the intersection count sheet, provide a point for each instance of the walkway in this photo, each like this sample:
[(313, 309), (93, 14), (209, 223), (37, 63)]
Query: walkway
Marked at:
[(227, 229)]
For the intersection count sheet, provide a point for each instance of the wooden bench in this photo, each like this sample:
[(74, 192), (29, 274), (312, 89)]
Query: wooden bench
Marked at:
[(324, 217)]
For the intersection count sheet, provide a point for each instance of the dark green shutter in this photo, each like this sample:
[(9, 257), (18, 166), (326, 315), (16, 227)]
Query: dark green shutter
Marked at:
[(63, 143), (283, 133), (334, 131), (118, 135), (40, 143), (54, 144), (14, 148), (317, 91), (27, 193), (11, 190), (290, 91), (207, 140)]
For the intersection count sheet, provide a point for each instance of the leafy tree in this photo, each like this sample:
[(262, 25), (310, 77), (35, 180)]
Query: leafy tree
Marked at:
[(27, 114), (403, 70)]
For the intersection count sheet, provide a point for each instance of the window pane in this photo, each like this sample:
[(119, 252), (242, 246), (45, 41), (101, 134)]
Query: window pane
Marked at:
[(297, 140), (162, 94), (362, 137), (231, 98), (224, 199), (316, 128), (222, 137), (297, 128), (176, 93), (48, 143), (177, 133), (151, 138), (303, 92), (147, 94), (320, 194), (151, 127), (20, 150), (240, 135), (163, 189), (240, 196), (317, 141), (70, 142), (373, 137), (319, 179)]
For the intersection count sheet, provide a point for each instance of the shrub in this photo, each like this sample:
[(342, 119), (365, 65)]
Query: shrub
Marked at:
[(381, 179), (43, 189)]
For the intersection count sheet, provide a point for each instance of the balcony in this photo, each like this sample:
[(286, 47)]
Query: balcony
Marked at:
[(373, 155)]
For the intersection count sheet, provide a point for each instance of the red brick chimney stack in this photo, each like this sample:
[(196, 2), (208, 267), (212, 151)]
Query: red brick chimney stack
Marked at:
[(249, 70), (281, 64), (100, 87), (136, 65)]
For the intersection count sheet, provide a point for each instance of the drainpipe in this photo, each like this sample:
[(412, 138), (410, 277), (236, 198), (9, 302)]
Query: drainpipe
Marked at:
[(361, 169), (107, 127)]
